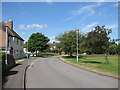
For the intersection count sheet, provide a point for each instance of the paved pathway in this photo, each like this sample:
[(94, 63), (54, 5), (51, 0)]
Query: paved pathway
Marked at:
[(14, 78)]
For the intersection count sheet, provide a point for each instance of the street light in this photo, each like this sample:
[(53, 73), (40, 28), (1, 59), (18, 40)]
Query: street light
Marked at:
[(7, 24), (77, 44), (26, 43)]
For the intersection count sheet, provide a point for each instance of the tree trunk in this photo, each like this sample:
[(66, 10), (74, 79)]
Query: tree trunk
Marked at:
[(36, 53), (70, 54), (106, 59)]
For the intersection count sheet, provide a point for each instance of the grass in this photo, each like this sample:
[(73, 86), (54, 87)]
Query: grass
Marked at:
[(97, 63), (23, 59)]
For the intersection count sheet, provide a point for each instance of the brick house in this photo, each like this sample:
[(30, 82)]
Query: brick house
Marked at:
[(15, 42)]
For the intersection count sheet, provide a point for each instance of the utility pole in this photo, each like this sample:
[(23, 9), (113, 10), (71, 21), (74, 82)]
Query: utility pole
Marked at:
[(6, 46), (27, 49), (7, 24), (77, 44)]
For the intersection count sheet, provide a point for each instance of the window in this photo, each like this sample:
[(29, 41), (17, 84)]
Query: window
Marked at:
[(17, 52), (17, 41), (21, 43), (14, 40), (20, 52)]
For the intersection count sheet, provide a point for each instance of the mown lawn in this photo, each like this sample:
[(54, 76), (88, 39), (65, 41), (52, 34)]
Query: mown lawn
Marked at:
[(97, 63)]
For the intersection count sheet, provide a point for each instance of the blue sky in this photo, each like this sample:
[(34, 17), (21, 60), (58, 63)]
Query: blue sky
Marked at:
[(52, 19)]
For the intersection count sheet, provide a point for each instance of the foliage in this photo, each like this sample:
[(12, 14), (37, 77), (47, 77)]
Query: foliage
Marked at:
[(113, 48), (68, 41), (97, 41), (2, 59), (47, 54), (59, 47), (119, 49), (47, 49), (37, 42)]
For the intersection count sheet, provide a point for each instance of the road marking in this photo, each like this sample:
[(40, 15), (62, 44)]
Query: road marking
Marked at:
[(34, 62)]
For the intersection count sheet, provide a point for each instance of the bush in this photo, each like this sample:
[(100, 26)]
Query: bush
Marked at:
[(119, 50), (46, 54), (0, 60), (3, 60)]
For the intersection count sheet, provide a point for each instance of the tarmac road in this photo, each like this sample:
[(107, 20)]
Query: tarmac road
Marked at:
[(50, 72)]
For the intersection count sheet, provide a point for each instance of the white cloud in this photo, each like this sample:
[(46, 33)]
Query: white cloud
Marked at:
[(88, 10), (116, 5), (28, 26), (84, 9), (52, 39), (22, 27), (90, 26), (49, 1), (23, 33), (101, 1), (37, 26)]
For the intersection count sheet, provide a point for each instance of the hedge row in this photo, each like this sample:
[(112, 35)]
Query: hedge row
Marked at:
[(2, 59), (10, 60)]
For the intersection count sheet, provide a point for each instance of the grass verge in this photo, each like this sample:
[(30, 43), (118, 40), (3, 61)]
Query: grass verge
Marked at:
[(97, 63), (22, 59)]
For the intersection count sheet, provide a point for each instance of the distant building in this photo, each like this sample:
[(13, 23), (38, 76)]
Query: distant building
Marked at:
[(25, 48), (15, 42)]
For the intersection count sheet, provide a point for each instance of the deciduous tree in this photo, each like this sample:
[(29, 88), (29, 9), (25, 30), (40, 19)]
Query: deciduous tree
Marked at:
[(37, 42), (97, 41), (68, 41)]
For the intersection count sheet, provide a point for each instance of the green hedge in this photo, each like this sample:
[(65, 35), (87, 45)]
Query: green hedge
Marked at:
[(2, 59), (46, 54)]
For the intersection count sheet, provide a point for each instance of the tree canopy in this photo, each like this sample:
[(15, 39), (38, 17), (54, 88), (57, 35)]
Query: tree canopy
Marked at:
[(97, 41), (37, 42), (68, 41)]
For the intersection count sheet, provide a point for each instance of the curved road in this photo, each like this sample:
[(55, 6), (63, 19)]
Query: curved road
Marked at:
[(50, 72)]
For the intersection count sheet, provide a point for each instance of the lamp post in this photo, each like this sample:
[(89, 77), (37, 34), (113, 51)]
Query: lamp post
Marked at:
[(7, 24), (77, 44), (27, 49)]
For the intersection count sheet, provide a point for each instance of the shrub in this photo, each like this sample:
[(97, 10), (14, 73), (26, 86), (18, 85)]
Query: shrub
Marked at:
[(0, 60), (3, 60)]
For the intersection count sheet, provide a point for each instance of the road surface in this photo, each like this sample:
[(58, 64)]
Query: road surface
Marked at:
[(50, 72)]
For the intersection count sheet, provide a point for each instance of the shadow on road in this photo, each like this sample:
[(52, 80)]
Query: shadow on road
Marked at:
[(8, 72), (91, 62)]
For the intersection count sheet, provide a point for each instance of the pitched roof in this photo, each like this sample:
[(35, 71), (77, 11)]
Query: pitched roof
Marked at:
[(10, 31), (16, 35)]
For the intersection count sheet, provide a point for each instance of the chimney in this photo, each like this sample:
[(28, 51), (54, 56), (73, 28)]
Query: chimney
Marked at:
[(11, 24)]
